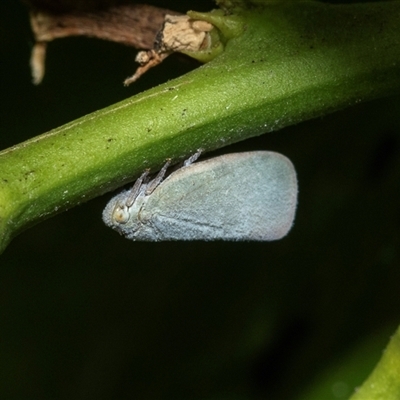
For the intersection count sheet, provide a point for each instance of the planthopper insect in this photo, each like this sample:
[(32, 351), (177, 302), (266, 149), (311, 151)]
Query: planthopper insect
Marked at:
[(249, 196)]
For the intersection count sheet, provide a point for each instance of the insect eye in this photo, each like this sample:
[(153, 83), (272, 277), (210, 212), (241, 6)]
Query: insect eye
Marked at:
[(121, 214)]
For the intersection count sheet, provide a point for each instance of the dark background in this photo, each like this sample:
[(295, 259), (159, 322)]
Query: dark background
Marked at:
[(85, 313)]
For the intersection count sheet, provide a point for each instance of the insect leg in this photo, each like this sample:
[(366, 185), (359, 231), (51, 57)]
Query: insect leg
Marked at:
[(157, 180), (136, 188), (193, 158)]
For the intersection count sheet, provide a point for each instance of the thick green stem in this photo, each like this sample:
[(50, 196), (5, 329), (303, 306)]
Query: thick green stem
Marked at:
[(292, 62)]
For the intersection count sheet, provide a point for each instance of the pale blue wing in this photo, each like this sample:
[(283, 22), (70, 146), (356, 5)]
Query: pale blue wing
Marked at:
[(241, 196)]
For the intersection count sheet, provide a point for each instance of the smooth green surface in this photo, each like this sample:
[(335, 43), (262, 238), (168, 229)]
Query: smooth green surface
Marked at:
[(290, 64), (341, 376), (384, 381)]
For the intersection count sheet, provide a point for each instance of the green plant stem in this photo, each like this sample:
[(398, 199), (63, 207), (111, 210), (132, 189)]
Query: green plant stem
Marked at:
[(293, 61), (384, 381)]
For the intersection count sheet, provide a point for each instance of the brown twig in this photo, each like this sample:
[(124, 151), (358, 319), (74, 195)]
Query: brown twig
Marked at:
[(134, 25), (179, 33)]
